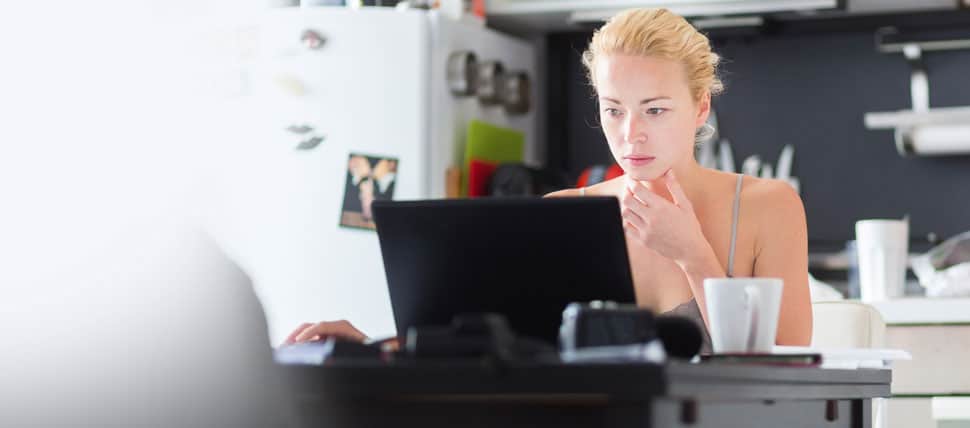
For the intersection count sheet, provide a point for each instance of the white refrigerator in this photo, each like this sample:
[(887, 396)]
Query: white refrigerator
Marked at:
[(326, 83)]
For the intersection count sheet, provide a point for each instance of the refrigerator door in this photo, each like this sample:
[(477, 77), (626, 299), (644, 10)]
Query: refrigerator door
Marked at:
[(356, 81)]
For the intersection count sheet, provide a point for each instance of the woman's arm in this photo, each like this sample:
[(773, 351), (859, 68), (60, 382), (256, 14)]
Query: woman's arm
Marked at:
[(781, 251), (671, 228)]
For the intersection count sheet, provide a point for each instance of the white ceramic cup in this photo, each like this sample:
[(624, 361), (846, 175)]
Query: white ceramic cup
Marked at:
[(743, 313), (883, 247)]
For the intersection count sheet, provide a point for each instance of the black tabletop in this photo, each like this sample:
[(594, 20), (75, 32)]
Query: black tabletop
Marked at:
[(470, 379)]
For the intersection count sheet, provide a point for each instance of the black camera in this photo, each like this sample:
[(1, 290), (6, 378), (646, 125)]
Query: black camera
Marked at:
[(599, 323)]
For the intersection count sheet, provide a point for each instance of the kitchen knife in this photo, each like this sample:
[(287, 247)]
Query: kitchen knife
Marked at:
[(705, 155), (785, 161), (725, 161), (767, 171), (751, 165)]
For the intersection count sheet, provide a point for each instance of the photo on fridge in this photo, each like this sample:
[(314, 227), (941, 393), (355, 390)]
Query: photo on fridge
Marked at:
[(369, 179)]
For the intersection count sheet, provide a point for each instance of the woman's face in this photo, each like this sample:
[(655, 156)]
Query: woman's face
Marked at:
[(647, 112)]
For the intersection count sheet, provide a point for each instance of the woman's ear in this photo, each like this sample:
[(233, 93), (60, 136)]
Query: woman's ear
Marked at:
[(703, 109)]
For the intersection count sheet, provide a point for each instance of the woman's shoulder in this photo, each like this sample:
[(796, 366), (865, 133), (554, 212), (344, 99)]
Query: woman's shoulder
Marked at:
[(772, 204), (768, 195), (606, 188), (564, 193), (755, 191)]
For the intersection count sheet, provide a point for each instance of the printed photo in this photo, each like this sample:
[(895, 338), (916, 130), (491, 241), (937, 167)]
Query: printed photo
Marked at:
[(369, 179)]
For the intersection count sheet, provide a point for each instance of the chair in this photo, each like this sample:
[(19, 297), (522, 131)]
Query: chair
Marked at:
[(847, 324), (850, 324)]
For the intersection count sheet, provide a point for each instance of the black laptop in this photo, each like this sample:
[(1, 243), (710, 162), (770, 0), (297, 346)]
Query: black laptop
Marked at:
[(525, 258)]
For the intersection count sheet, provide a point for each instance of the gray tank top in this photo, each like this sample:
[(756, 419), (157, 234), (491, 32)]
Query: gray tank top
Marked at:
[(690, 309)]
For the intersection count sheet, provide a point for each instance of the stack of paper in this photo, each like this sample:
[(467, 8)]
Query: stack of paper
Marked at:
[(849, 358)]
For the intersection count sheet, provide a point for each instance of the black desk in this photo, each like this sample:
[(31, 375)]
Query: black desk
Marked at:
[(531, 395)]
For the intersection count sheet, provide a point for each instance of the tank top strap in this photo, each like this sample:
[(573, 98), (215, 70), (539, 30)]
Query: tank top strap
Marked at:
[(734, 225)]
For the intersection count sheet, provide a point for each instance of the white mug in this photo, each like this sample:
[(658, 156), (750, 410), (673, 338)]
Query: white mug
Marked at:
[(743, 313), (883, 247)]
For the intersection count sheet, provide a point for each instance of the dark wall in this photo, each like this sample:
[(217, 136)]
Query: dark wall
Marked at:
[(809, 90)]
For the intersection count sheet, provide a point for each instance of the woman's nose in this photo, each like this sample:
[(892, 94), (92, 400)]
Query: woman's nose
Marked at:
[(633, 129)]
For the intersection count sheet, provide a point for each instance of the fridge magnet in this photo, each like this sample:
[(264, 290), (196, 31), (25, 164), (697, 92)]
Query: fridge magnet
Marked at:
[(308, 137), (368, 179)]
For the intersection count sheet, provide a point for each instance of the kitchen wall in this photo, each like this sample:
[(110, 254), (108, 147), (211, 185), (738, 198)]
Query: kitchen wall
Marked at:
[(809, 90)]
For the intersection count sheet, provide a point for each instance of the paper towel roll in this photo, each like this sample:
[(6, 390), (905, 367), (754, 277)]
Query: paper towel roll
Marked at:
[(934, 140)]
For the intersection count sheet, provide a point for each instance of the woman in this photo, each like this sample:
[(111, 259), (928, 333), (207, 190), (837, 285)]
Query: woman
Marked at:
[(654, 75)]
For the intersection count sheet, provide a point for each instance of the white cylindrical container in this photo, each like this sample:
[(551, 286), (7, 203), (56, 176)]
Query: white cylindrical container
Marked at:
[(883, 247)]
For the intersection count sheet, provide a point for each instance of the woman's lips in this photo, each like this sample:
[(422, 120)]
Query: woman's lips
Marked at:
[(638, 160)]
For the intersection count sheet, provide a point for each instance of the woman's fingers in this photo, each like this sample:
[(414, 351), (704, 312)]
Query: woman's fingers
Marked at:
[(629, 200), (631, 216), (645, 195), (291, 339), (348, 331), (341, 329), (631, 231), (308, 333), (673, 186)]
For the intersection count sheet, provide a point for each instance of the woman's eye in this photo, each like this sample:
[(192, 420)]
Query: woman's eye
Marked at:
[(613, 112), (655, 111)]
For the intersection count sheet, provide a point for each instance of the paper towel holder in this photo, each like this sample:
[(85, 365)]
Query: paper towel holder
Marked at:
[(922, 130)]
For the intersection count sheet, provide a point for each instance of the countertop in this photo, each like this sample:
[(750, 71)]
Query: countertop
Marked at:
[(924, 310)]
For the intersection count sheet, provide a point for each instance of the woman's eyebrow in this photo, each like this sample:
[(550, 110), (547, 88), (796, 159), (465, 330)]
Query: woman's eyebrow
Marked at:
[(644, 101), (649, 100)]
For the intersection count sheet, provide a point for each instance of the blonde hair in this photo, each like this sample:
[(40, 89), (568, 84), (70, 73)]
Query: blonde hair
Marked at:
[(659, 33)]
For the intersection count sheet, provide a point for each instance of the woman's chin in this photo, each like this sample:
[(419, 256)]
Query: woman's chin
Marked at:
[(644, 174)]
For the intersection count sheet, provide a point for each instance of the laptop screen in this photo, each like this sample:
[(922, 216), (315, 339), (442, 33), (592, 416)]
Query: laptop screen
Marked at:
[(525, 258)]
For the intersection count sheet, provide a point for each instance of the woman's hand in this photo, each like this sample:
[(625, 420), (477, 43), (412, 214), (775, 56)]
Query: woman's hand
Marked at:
[(322, 330), (669, 228)]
